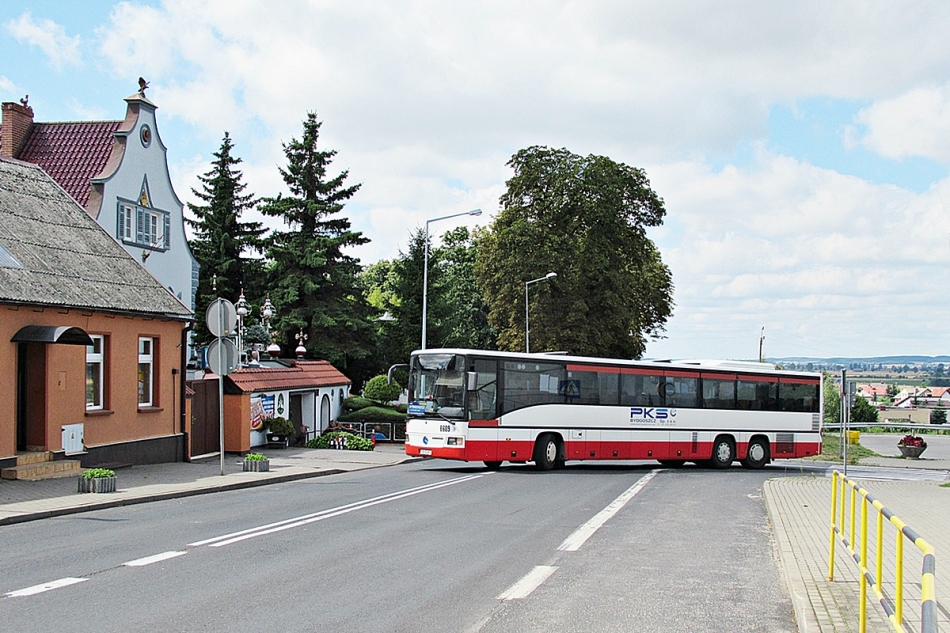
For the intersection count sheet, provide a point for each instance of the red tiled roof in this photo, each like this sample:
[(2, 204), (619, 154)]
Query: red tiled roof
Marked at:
[(72, 153), (303, 374)]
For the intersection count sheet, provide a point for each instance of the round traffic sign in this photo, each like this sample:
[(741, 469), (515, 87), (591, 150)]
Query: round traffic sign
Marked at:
[(221, 317), (223, 356)]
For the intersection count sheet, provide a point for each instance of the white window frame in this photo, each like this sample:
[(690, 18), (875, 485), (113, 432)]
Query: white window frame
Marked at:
[(146, 356), (96, 359), (143, 226), (126, 221)]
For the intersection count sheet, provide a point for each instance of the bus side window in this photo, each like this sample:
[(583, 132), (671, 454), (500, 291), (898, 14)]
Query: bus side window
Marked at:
[(639, 390), (482, 401)]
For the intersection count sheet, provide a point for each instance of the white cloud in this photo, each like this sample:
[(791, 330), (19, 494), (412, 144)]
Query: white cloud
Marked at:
[(7, 86), (427, 100), (823, 260), (916, 123), (49, 36)]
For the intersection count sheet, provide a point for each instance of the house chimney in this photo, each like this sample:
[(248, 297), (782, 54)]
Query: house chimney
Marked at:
[(16, 126)]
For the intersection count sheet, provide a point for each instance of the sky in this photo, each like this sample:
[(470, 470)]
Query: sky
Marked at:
[(802, 149)]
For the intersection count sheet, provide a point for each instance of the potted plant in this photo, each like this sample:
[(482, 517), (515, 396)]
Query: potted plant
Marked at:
[(280, 431), (97, 480), (257, 463), (911, 446)]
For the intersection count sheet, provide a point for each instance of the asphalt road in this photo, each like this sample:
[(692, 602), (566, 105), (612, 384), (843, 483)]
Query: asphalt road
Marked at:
[(422, 547)]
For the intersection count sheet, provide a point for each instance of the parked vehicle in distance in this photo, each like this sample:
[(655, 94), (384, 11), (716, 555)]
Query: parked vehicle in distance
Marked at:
[(487, 406)]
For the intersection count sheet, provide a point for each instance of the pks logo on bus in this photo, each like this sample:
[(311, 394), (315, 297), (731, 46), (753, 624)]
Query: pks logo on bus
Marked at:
[(652, 413)]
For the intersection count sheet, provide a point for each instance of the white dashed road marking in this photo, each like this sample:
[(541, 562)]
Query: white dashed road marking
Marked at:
[(157, 558), (531, 581), (47, 586), (573, 542)]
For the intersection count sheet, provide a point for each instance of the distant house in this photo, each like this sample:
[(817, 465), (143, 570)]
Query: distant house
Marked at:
[(873, 392), (118, 172), (309, 393), (91, 345)]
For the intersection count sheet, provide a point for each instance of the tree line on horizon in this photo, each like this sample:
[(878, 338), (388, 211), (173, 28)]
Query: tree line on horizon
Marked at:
[(584, 218)]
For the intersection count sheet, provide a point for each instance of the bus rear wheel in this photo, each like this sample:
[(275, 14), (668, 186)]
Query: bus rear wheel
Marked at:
[(546, 451), (672, 463), (724, 453), (493, 465), (758, 454)]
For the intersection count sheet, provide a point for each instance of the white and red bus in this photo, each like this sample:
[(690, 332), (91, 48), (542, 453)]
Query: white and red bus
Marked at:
[(493, 407)]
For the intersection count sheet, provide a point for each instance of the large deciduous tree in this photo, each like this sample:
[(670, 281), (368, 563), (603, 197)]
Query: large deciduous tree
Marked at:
[(464, 321), (221, 242), (584, 218), (313, 280)]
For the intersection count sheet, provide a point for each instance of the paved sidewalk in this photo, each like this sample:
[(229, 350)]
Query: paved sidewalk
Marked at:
[(800, 511), (29, 500)]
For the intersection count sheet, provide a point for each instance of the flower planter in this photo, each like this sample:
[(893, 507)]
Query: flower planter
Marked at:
[(912, 452), (276, 441), (256, 465), (97, 484)]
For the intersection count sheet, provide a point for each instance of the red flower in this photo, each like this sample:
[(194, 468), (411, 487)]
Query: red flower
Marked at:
[(912, 440)]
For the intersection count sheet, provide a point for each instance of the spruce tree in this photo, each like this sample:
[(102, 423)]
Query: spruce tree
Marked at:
[(221, 242), (313, 281)]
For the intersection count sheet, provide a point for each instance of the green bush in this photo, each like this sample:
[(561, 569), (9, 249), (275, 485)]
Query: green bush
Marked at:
[(379, 389), (402, 408), (355, 403), (353, 442), (280, 426), (98, 473), (373, 414), (255, 457)]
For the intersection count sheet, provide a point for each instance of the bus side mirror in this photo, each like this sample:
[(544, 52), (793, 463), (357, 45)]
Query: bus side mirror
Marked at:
[(472, 380)]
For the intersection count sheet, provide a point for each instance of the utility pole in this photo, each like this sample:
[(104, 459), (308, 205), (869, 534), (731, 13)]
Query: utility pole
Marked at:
[(761, 341)]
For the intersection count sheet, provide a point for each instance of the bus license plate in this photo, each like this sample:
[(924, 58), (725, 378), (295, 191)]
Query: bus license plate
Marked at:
[(425, 451)]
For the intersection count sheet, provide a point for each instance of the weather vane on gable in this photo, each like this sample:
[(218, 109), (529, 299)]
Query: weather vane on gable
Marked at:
[(142, 86)]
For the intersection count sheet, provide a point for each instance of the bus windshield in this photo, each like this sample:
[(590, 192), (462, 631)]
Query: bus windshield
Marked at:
[(437, 385)]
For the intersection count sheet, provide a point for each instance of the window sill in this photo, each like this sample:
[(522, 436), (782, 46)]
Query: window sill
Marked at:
[(94, 413), (151, 409)]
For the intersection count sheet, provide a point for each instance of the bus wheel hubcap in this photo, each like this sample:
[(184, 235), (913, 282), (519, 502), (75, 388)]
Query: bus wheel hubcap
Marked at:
[(756, 452), (551, 451)]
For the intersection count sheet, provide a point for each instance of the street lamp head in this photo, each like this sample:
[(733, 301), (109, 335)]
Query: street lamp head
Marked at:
[(475, 212), (550, 275)]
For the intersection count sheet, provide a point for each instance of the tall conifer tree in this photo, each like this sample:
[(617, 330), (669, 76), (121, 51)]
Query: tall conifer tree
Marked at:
[(221, 242), (313, 280)]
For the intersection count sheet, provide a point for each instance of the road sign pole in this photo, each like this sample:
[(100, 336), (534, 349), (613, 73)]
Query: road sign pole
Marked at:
[(221, 386)]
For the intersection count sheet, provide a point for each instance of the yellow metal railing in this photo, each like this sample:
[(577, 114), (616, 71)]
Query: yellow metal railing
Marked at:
[(893, 608)]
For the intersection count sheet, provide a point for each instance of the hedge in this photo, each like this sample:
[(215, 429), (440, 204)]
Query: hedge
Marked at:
[(355, 403), (373, 414), (353, 442)]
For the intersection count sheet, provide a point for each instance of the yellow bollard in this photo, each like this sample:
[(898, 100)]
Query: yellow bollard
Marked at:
[(854, 437)]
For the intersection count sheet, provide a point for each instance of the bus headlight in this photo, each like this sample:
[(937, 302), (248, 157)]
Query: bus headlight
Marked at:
[(453, 441)]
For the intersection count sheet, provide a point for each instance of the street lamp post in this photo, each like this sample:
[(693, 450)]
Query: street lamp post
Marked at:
[(425, 267), (527, 329)]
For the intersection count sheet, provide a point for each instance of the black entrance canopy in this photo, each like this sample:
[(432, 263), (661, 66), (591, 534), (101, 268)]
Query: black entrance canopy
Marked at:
[(51, 334)]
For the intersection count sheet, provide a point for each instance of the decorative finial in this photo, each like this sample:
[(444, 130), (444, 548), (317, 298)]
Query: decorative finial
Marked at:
[(25, 101), (142, 86)]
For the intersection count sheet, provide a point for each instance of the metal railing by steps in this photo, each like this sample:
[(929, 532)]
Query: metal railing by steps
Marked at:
[(37, 465)]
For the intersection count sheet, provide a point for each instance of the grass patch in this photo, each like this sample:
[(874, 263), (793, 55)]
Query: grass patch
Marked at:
[(831, 450)]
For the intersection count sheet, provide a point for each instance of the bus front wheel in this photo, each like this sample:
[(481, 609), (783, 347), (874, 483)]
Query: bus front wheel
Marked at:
[(546, 452)]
